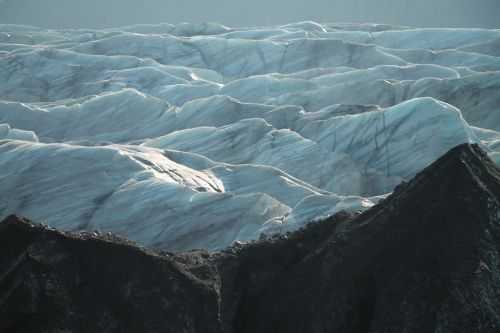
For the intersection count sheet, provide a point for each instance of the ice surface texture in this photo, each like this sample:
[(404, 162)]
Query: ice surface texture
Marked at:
[(197, 135)]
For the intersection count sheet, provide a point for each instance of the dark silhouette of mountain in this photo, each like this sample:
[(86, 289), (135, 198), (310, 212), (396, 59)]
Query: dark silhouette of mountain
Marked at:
[(426, 259)]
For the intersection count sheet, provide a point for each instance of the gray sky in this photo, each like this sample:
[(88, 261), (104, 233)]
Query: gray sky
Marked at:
[(107, 13)]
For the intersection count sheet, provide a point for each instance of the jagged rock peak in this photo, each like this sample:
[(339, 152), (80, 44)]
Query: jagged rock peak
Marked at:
[(426, 259)]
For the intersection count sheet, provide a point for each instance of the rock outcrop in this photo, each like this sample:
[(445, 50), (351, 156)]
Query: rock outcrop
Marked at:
[(426, 259)]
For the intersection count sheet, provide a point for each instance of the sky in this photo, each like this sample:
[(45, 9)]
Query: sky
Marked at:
[(112, 13)]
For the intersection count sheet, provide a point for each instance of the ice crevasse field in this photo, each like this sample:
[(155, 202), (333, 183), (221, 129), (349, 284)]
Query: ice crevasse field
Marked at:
[(198, 135)]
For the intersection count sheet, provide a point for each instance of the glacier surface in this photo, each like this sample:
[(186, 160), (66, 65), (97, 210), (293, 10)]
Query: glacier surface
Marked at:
[(198, 135)]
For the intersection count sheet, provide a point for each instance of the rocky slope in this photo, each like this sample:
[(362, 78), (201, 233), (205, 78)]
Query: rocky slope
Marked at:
[(426, 259)]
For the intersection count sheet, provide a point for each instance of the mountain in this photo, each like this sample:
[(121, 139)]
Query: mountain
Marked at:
[(424, 259)]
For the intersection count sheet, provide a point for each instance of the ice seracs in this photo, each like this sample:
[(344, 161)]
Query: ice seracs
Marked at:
[(197, 135), (361, 154), (8, 133)]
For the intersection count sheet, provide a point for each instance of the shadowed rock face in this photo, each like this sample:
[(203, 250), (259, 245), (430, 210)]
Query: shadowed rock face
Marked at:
[(427, 259), (55, 282)]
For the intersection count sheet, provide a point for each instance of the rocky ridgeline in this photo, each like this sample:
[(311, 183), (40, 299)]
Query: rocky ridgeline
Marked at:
[(426, 259)]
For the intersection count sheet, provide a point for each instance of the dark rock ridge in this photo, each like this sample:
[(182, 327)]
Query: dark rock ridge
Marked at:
[(427, 259)]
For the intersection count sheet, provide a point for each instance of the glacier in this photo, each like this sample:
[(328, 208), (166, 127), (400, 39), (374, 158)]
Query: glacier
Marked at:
[(199, 135)]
